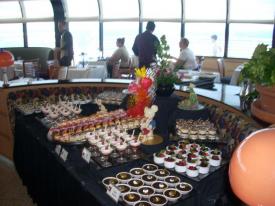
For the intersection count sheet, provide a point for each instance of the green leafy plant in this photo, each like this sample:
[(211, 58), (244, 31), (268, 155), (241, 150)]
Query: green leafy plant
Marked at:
[(165, 75), (261, 68)]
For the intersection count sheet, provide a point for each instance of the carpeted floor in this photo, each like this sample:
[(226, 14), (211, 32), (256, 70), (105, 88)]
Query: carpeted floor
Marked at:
[(12, 192)]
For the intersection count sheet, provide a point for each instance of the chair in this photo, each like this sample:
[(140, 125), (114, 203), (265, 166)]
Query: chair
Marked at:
[(221, 69), (123, 72), (31, 68)]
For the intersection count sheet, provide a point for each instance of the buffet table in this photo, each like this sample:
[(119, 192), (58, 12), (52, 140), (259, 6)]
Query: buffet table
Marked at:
[(52, 181)]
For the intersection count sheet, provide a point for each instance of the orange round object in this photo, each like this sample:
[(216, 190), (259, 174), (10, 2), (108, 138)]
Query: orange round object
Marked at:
[(6, 58), (252, 169)]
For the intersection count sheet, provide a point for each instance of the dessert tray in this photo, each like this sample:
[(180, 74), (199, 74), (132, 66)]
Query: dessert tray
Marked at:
[(191, 160), (148, 184), (197, 130), (111, 97)]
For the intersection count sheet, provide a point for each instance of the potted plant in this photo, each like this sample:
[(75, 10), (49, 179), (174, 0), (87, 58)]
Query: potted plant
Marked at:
[(260, 70), (165, 76)]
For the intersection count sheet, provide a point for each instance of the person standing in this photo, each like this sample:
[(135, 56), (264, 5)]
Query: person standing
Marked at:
[(145, 46), (216, 48), (65, 53), (186, 59)]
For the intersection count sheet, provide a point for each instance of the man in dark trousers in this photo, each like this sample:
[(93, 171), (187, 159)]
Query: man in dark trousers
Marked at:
[(145, 46), (65, 53)]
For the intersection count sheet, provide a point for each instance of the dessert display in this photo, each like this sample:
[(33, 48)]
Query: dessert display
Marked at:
[(190, 103), (158, 200), (143, 203), (135, 183), (123, 177), (172, 194), (114, 145), (155, 188), (109, 180), (162, 173), (146, 191), (172, 180), (148, 179), (131, 198), (150, 168), (184, 188), (137, 172), (102, 122), (159, 186), (123, 188), (187, 158), (196, 130), (111, 97)]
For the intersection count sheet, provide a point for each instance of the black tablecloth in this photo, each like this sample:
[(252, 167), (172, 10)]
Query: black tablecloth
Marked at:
[(51, 181)]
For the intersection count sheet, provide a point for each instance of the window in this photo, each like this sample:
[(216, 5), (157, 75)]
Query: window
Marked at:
[(85, 39), (82, 8), (201, 9), (252, 9), (11, 35), (41, 34), (10, 10), (245, 37), (199, 36), (114, 30), (38, 9), (161, 9), (172, 33), (120, 8)]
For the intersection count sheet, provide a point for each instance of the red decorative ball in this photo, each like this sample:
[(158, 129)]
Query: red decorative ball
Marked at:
[(252, 169), (6, 58)]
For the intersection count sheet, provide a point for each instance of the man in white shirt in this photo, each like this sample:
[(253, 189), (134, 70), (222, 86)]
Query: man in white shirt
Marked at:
[(186, 59)]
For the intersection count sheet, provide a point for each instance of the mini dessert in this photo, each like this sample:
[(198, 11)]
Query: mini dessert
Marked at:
[(101, 143), (192, 171), (158, 200), (193, 136), (172, 194), (146, 191), (131, 198), (162, 173), (123, 177), (105, 151), (204, 167), (180, 157), (169, 162), (211, 137), (172, 147), (123, 188), (150, 168), (135, 184), (143, 203), (169, 153), (159, 186), (180, 166), (172, 181), (216, 152), (137, 172), (184, 188), (215, 161), (159, 157), (148, 179), (192, 162), (109, 180), (121, 146)]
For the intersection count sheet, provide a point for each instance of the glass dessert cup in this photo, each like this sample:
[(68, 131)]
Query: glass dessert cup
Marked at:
[(105, 156), (135, 145), (121, 149)]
